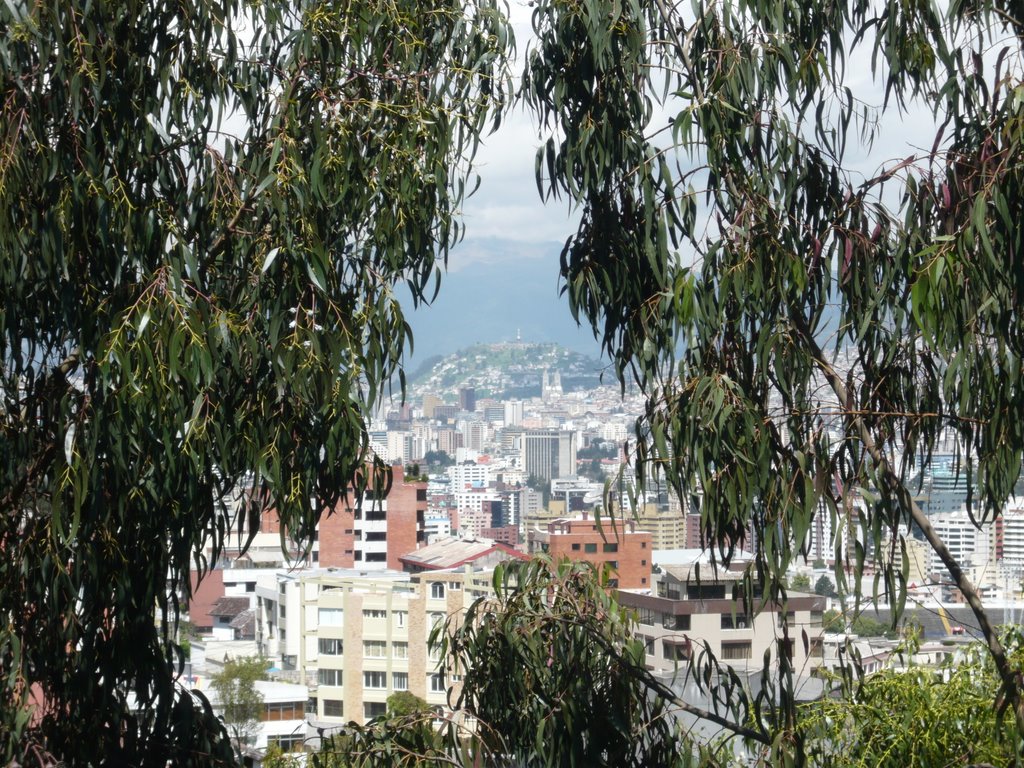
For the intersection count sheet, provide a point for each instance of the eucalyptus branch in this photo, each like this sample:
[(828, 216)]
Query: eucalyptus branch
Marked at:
[(1011, 680)]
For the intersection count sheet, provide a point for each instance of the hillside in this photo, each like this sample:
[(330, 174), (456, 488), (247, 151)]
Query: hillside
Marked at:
[(505, 370)]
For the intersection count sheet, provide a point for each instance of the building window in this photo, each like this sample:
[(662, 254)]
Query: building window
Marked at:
[(437, 683), (287, 743), (400, 681), (376, 557), (576, 547), (332, 707), (734, 651), (676, 651), (375, 680), (374, 613), (284, 711), (331, 617), (590, 548), (645, 616), (643, 545), (738, 621), (400, 617), (436, 618), (455, 586), (613, 583), (375, 649), (606, 547), (400, 650), (376, 536), (816, 618), (330, 646), (437, 589), (372, 709), (328, 676), (643, 562), (790, 618)]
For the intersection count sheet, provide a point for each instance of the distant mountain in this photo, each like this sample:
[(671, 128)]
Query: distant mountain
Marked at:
[(505, 370)]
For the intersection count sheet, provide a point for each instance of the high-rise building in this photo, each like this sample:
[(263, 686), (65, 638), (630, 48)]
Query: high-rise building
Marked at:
[(375, 535), (467, 399), (513, 412), (549, 453)]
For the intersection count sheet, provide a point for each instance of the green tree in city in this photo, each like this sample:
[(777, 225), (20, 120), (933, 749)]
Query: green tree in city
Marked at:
[(824, 587), (241, 702), (206, 211), (919, 715), (807, 330), (405, 703), (800, 583)]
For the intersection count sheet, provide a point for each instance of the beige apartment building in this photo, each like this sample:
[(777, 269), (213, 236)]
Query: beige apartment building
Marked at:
[(366, 636), (679, 614)]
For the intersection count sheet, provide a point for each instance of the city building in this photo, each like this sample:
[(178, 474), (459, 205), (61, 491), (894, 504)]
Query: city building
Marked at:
[(367, 636), (549, 453), (617, 544), (375, 534), (682, 613)]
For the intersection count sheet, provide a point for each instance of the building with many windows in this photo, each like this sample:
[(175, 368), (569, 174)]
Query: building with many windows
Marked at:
[(549, 453), (617, 544), (367, 635), (680, 613)]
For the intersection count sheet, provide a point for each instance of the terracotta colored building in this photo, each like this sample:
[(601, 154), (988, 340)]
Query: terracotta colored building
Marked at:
[(376, 536), (617, 544)]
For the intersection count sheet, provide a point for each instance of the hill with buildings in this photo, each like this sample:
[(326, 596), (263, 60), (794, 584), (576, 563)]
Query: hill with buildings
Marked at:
[(507, 370)]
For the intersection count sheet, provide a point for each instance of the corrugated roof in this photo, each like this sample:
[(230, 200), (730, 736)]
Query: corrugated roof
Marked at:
[(230, 606), (450, 552)]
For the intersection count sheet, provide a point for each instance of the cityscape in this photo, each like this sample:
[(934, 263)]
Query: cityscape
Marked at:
[(511, 384), (480, 478)]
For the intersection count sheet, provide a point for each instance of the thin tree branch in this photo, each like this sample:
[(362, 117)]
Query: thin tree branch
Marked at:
[(1011, 680)]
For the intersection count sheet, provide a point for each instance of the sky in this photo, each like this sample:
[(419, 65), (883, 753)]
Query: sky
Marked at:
[(504, 275)]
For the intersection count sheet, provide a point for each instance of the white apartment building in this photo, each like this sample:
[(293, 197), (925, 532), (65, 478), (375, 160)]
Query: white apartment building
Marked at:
[(464, 476), (963, 539)]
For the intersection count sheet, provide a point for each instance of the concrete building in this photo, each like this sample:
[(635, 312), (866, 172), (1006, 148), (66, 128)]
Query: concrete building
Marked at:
[(680, 613), (549, 453), (617, 544), (367, 636)]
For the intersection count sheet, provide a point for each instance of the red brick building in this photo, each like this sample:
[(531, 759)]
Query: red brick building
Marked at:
[(379, 533), (616, 544)]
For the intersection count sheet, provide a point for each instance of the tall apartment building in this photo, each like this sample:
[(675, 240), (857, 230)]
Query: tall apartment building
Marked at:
[(366, 637), (377, 534), (549, 453), (680, 613)]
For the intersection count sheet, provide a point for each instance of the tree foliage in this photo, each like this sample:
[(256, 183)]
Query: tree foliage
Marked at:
[(807, 333), (241, 702), (824, 586), (205, 209), (920, 715), (553, 674)]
